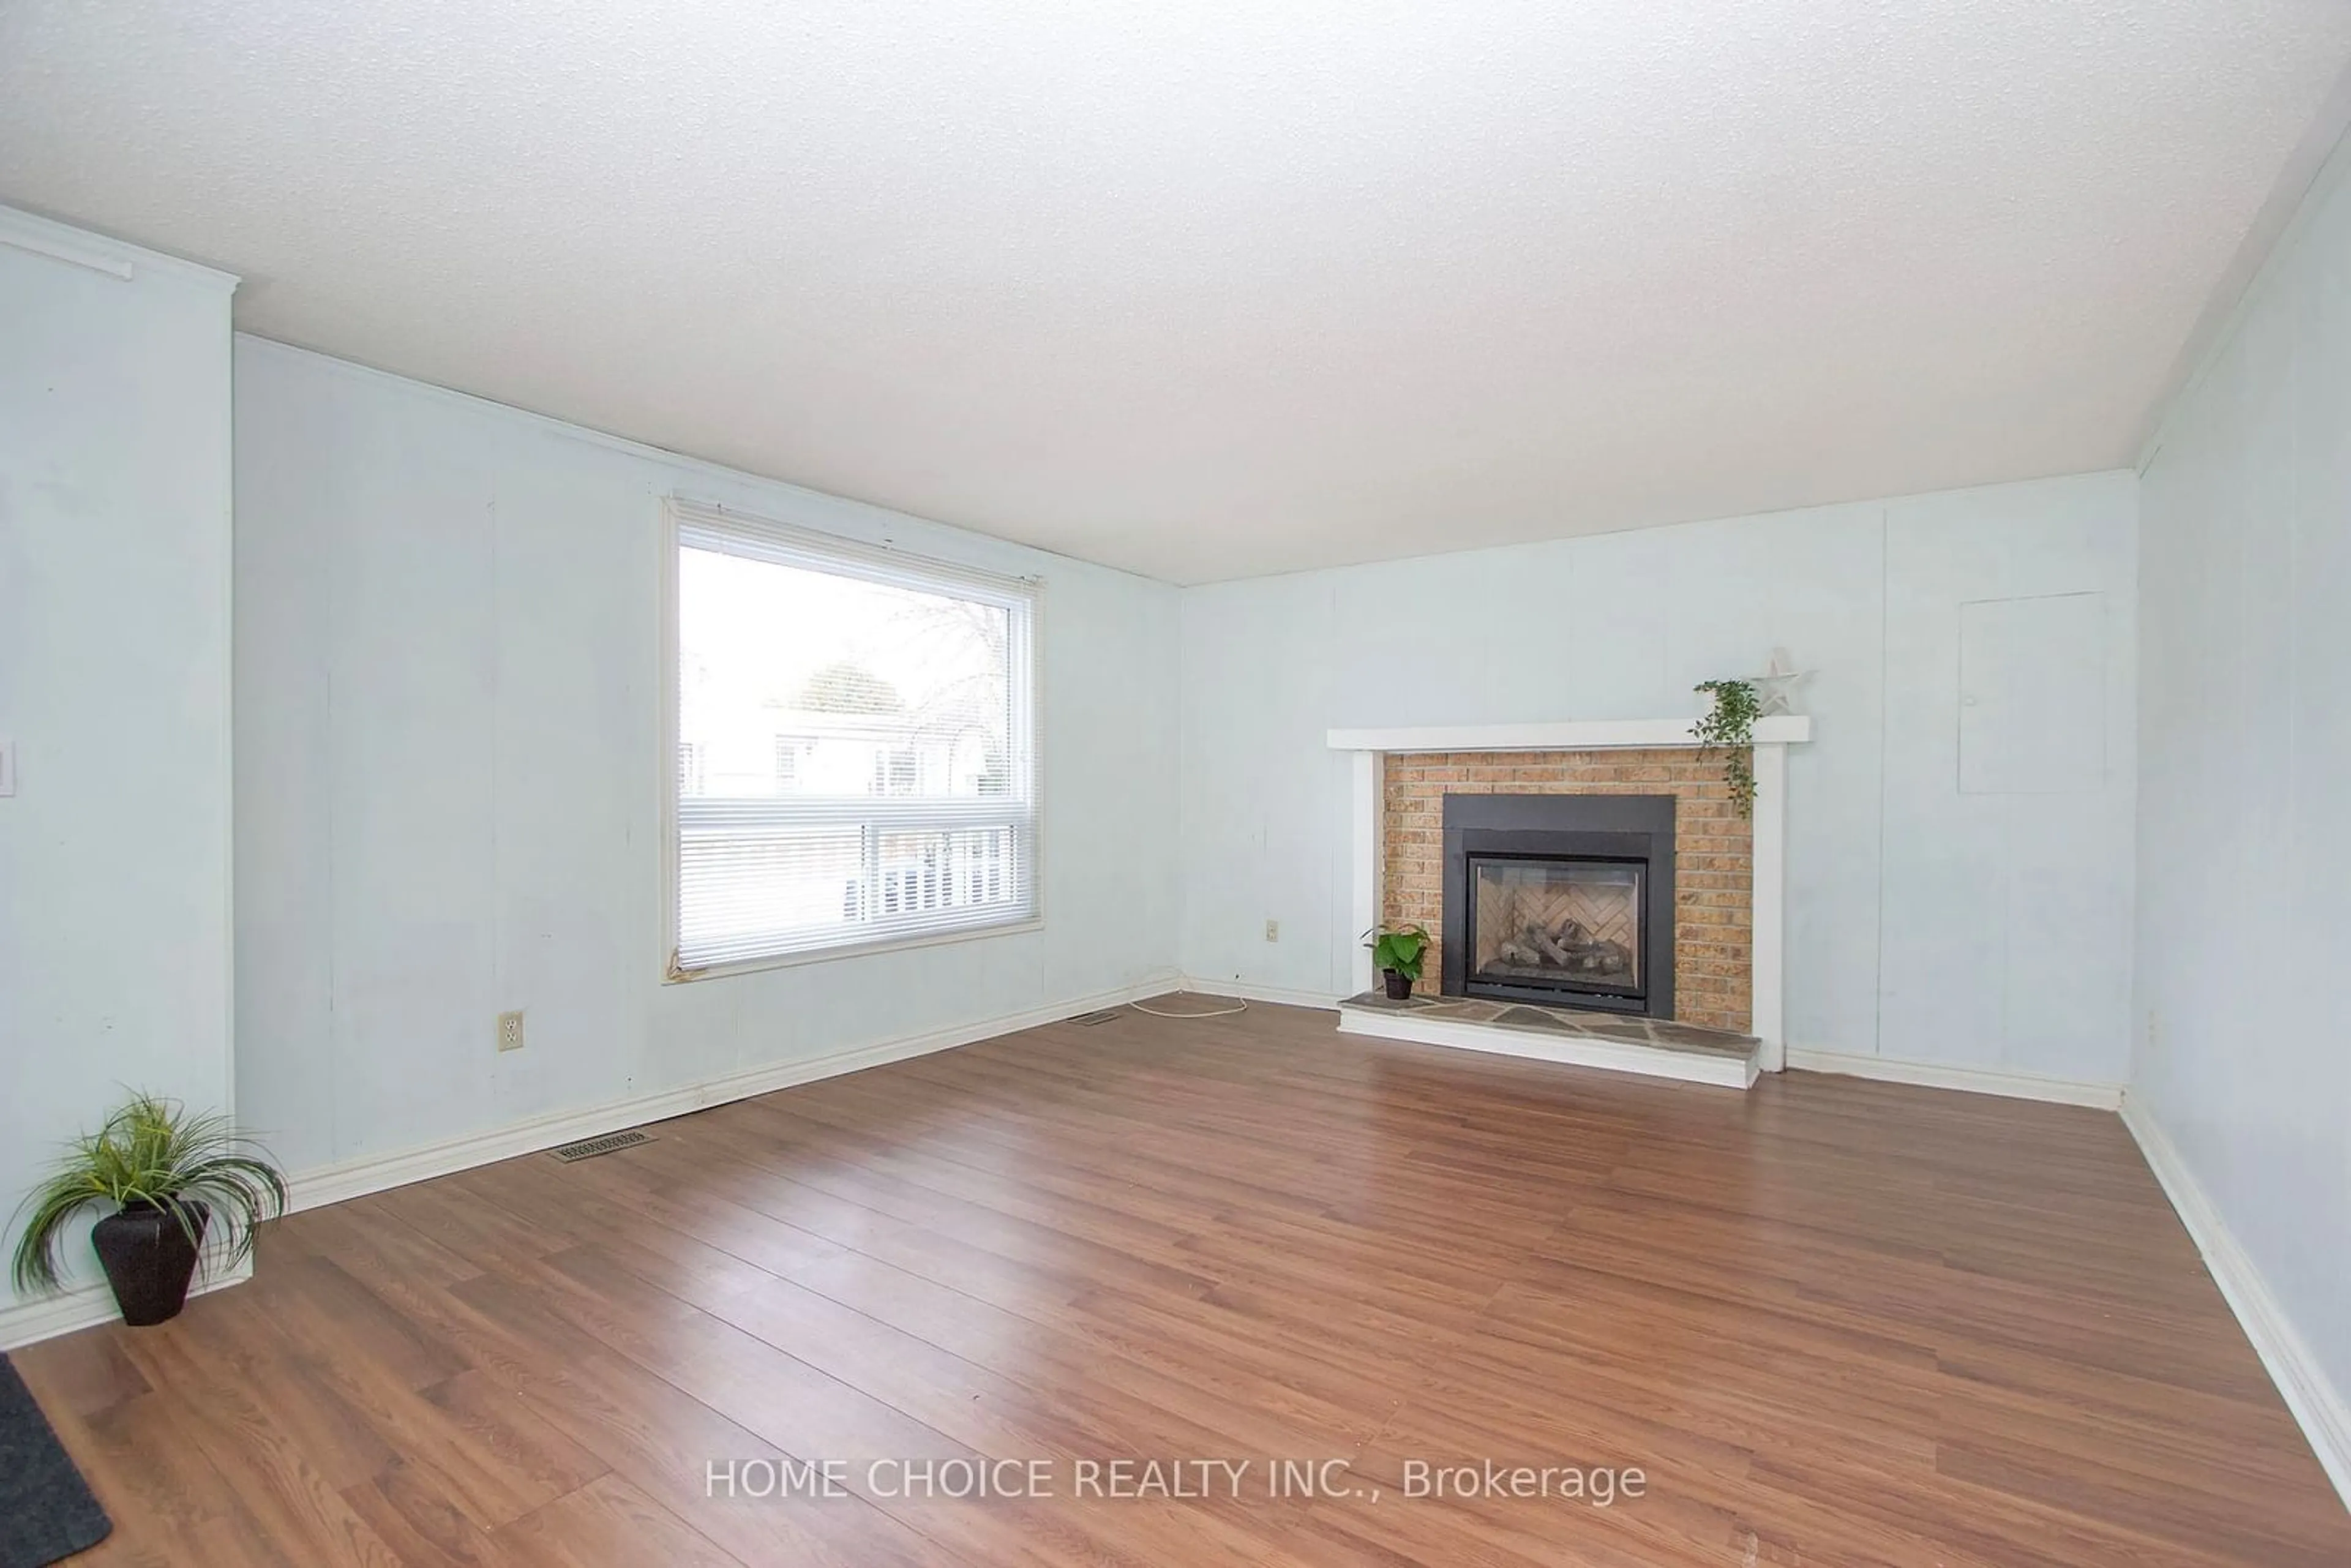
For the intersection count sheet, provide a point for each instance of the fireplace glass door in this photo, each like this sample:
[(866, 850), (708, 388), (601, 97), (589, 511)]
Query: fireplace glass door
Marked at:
[(1556, 923)]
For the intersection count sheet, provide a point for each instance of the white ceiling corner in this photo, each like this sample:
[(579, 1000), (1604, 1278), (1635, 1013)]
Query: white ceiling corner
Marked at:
[(1217, 289)]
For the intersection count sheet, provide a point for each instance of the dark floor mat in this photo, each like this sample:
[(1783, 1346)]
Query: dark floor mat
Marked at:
[(46, 1509)]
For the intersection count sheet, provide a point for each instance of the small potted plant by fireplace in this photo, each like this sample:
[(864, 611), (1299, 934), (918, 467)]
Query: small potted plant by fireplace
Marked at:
[(1396, 953), (168, 1175)]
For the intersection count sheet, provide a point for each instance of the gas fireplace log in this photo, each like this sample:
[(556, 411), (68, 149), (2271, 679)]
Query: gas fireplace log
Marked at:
[(1541, 941), (1536, 948), (1604, 958)]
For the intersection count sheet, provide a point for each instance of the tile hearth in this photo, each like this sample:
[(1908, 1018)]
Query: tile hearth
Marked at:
[(1655, 1047)]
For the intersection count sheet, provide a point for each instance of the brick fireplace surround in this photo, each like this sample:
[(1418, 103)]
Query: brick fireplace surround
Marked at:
[(1730, 873), (1714, 858)]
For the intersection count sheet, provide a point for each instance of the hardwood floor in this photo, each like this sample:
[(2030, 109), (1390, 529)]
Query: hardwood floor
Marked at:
[(1831, 1322)]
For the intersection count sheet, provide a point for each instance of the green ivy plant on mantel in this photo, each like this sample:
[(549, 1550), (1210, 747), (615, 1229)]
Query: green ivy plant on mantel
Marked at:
[(1730, 730)]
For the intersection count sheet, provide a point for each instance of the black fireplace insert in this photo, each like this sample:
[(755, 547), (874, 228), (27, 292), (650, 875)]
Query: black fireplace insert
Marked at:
[(1564, 899)]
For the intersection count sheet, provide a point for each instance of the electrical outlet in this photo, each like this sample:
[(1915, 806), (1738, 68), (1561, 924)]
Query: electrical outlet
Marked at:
[(510, 1031), (1273, 930)]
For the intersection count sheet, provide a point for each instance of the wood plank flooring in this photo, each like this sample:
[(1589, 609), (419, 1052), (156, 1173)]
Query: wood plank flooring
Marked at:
[(1831, 1322)]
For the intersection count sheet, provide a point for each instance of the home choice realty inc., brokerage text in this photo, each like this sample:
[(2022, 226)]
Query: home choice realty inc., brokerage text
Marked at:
[(1168, 1479)]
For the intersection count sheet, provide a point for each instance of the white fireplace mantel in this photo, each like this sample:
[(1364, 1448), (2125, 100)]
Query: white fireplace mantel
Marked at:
[(1773, 735), (1589, 736)]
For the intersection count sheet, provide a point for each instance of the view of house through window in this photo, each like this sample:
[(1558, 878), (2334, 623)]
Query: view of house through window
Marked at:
[(855, 741)]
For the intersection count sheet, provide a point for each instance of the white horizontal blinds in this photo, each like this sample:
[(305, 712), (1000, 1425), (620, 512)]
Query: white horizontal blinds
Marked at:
[(856, 741)]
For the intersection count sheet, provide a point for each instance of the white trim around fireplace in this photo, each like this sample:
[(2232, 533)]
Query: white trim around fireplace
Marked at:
[(1773, 735), (1600, 735)]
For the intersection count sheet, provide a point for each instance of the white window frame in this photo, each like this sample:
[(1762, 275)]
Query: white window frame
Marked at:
[(850, 557)]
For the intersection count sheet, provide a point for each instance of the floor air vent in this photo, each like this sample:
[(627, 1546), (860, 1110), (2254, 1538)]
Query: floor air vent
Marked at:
[(1090, 1019), (589, 1149)]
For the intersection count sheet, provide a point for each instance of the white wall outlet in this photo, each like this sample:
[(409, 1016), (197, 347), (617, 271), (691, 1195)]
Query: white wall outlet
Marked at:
[(510, 1031), (7, 767), (1273, 930)]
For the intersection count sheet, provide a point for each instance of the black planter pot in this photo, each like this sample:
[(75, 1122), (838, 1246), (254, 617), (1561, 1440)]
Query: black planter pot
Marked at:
[(1399, 986), (149, 1259)]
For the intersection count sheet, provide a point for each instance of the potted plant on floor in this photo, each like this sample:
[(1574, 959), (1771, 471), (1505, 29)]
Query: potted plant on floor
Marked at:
[(169, 1176), (1396, 953)]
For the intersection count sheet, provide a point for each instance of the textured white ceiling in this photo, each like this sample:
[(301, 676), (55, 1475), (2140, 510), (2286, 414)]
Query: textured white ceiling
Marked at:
[(1211, 288)]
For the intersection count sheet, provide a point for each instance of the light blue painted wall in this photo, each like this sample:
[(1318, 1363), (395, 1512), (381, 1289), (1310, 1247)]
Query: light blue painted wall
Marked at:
[(445, 661), (1970, 929), (448, 773), (2244, 841), (114, 686)]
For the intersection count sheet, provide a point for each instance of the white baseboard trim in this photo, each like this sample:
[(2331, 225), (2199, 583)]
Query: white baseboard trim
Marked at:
[(357, 1178), (2317, 1406), (88, 1305), (1248, 991), (1973, 1079), (85, 1306)]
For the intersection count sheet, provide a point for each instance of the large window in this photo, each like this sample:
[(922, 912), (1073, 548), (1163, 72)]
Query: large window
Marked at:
[(855, 732)]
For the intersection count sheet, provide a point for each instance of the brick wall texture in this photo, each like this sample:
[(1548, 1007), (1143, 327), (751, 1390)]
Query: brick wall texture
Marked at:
[(1714, 858)]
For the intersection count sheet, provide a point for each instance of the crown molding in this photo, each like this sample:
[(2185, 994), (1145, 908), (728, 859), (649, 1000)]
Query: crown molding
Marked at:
[(112, 257)]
